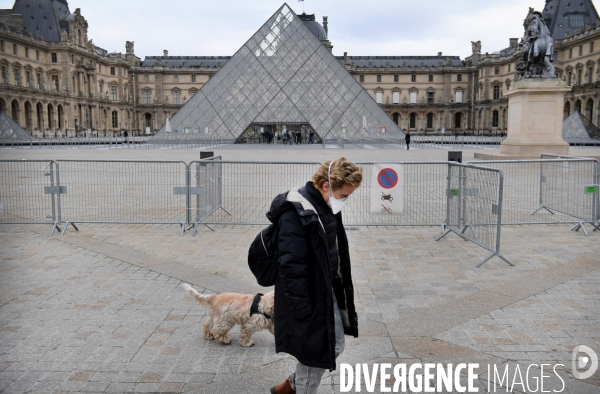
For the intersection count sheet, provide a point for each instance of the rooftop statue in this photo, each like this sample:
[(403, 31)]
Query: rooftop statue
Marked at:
[(538, 46)]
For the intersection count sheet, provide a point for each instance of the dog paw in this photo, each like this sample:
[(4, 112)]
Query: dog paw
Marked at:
[(247, 344), (227, 341)]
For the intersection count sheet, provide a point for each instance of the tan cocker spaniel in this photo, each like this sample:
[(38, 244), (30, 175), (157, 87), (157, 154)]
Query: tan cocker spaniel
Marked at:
[(225, 310)]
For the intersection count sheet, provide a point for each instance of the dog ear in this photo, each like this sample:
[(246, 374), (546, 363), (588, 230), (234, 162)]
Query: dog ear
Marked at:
[(268, 303)]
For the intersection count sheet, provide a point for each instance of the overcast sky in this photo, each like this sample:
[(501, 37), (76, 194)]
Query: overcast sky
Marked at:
[(367, 27)]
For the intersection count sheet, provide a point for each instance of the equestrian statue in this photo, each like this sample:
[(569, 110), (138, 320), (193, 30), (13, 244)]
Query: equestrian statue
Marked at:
[(538, 47)]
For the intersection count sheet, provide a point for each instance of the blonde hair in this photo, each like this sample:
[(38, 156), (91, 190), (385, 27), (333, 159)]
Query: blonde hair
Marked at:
[(343, 172)]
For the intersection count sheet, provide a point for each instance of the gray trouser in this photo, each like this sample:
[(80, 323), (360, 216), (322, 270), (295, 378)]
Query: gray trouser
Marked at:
[(306, 380)]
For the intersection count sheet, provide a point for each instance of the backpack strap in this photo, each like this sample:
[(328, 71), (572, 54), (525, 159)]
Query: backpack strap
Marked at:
[(295, 196)]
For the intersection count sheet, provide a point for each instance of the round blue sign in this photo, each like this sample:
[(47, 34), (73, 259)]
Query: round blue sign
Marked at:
[(387, 178)]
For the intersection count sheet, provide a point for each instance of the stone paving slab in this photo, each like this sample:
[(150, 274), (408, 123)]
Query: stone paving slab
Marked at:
[(75, 318)]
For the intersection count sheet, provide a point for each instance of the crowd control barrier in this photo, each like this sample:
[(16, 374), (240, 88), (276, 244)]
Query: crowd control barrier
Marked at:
[(29, 192), (102, 191), (550, 191)]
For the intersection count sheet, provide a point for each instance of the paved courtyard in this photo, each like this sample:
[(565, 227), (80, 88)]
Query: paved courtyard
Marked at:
[(101, 309)]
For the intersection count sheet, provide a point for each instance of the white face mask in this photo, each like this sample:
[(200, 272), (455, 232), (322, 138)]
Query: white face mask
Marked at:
[(335, 204)]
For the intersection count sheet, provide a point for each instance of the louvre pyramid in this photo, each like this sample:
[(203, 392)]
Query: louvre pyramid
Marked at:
[(576, 126), (282, 74), (7, 124)]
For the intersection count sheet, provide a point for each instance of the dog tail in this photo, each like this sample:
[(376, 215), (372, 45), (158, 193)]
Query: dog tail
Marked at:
[(203, 300)]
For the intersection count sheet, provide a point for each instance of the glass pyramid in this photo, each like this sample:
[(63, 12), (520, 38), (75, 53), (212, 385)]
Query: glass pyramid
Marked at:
[(576, 126), (10, 130), (282, 76)]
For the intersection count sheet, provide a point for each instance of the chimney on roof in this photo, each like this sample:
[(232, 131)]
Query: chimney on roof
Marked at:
[(325, 25), (165, 52), (513, 42)]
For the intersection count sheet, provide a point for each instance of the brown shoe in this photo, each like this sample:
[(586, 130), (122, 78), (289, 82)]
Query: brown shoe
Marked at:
[(284, 387)]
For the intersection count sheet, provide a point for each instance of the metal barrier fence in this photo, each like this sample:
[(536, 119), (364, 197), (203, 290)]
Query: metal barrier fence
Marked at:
[(469, 200), (245, 191), (474, 207), (100, 191), (549, 191), (206, 191), (249, 187), (28, 191)]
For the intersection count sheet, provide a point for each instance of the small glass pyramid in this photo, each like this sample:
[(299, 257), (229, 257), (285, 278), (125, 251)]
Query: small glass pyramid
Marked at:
[(10, 130)]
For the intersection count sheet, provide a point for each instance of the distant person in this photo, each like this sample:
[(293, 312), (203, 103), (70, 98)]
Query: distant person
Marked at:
[(311, 137), (407, 139), (298, 138), (125, 134)]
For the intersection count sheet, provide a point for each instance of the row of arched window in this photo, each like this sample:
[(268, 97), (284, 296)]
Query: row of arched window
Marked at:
[(429, 120)]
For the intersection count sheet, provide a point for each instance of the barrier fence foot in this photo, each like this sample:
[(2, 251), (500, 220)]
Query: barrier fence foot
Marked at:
[(596, 226), (65, 228), (485, 260), (580, 226), (444, 234), (182, 229), (470, 226), (507, 260), (54, 227), (542, 207)]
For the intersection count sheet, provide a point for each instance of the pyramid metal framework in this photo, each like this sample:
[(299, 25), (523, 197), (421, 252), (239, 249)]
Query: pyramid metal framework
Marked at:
[(10, 130), (576, 126), (282, 75)]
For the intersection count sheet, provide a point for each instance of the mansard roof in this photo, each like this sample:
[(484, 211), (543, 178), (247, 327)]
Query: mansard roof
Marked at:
[(42, 16), (403, 61), (190, 61), (359, 61), (564, 16)]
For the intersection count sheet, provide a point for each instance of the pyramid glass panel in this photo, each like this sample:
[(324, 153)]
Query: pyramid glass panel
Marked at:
[(577, 126), (282, 76), (10, 130)]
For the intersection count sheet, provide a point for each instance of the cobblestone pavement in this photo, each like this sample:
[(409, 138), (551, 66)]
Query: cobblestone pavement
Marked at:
[(101, 309)]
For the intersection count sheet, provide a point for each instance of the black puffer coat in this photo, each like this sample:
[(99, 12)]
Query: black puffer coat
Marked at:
[(304, 321)]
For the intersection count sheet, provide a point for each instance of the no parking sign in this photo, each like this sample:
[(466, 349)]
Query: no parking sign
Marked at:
[(387, 189)]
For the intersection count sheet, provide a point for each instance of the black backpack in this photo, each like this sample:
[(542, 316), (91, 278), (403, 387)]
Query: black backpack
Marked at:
[(263, 254)]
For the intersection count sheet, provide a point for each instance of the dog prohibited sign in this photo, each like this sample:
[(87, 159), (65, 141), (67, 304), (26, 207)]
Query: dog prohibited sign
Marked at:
[(387, 190)]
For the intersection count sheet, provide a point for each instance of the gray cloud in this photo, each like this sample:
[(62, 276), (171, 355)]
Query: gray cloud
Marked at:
[(375, 27)]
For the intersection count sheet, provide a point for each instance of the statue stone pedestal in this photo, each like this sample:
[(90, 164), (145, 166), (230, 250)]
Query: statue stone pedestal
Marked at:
[(535, 118)]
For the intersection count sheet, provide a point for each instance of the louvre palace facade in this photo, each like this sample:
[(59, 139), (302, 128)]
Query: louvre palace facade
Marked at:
[(55, 81)]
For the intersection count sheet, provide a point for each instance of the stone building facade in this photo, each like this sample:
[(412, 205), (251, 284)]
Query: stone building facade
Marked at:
[(55, 81)]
